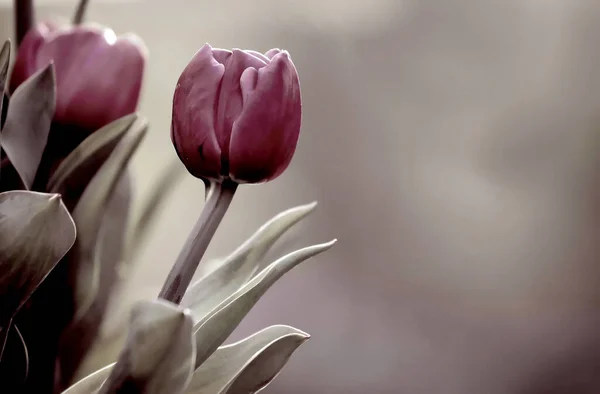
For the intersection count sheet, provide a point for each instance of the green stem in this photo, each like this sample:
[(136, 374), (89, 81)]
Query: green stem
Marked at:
[(80, 12), (24, 18), (219, 198)]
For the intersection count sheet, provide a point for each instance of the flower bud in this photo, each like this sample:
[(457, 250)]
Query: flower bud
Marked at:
[(98, 76), (237, 114)]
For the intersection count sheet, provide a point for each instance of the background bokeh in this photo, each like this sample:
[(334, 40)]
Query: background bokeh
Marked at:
[(454, 148)]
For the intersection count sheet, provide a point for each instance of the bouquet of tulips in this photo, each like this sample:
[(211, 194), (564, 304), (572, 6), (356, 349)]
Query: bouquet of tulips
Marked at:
[(69, 128)]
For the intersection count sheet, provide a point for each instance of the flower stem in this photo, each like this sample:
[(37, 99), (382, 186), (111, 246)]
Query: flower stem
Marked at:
[(217, 202), (80, 12), (24, 18)]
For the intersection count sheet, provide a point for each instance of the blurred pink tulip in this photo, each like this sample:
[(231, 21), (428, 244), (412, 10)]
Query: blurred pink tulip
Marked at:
[(237, 114), (98, 75)]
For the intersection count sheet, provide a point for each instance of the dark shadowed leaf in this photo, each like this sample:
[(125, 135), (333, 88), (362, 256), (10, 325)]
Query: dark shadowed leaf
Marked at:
[(36, 231), (80, 335), (89, 214), (248, 365), (91, 274), (165, 184), (4, 108), (75, 171), (14, 363), (213, 329), (4, 62), (159, 354), (28, 120), (69, 283), (237, 269)]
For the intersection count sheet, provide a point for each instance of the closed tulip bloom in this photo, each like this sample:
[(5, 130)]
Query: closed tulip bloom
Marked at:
[(98, 76), (237, 114)]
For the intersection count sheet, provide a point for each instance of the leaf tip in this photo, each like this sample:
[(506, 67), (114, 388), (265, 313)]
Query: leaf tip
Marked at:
[(310, 206), (328, 245), (5, 47)]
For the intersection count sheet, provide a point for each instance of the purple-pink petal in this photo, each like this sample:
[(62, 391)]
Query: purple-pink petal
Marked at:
[(98, 76), (229, 106), (264, 136), (192, 128), (272, 52)]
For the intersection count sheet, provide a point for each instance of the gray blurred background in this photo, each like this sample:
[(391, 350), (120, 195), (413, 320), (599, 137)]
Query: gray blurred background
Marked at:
[(454, 148)]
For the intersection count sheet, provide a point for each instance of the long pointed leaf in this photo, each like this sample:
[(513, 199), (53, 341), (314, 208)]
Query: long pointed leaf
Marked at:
[(159, 354), (262, 355), (36, 231), (265, 367), (80, 336), (14, 364), (89, 213), (77, 169), (28, 120), (4, 62), (208, 292), (91, 276), (91, 383), (212, 330)]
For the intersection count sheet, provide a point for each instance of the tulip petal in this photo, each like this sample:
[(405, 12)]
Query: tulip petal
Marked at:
[(230, 97), (264, 137), (272, 52), (259, 55), (25, 62), (193, 121), (100, 81)]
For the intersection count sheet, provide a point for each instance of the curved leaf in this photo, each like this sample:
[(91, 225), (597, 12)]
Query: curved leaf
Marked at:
[(75, 171), (91, 383), (28, 121), (89, 214), (208, 292), (159, 355), (90, 274), (250, 363), (4, 62), (36, 232), (14, 365), (265, 367), (213, 329), (79, 337)]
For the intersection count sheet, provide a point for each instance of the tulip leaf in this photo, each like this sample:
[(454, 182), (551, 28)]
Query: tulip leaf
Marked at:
[(14, 364), (89, 213), (36, 231), (4, 62), (248, 365), (25, 132), (92, 274), (165, 184), (158, 357), (80, 335), (214, 328), (91, 383), (265, 367), (204, 295), (75, 171)]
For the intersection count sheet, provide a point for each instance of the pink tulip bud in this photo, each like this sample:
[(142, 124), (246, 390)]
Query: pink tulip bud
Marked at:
[(237, 114), (98, 76)]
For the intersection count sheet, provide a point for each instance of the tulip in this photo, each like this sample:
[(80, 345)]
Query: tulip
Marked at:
[(98, 76), (237, 114)]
